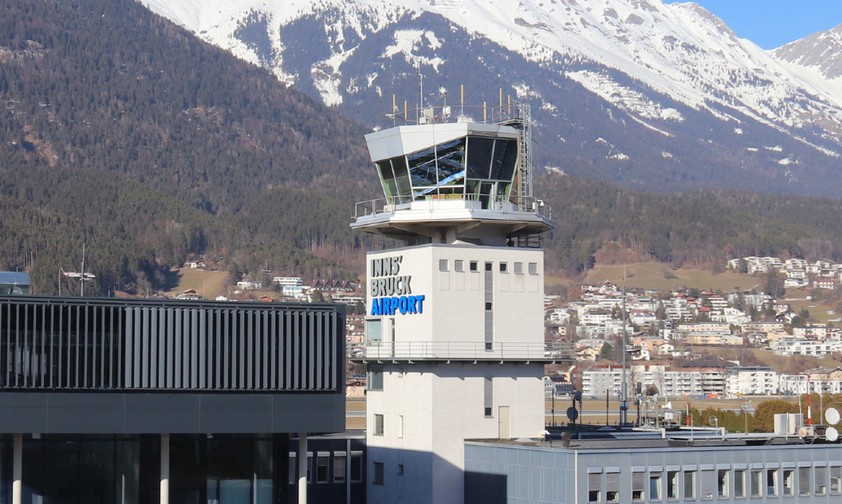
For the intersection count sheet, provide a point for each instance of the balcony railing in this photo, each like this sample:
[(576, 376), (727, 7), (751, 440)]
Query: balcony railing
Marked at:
[(464, 351), (502, 204)]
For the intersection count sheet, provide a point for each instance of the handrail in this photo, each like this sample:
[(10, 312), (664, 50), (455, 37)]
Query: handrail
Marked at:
[(464, 350), (391, 204)]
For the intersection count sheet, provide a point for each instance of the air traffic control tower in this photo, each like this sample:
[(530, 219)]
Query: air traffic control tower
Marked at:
[(454, 325)]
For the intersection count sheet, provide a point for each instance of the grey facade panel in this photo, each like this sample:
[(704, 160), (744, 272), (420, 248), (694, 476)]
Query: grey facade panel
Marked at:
[(110, 413)]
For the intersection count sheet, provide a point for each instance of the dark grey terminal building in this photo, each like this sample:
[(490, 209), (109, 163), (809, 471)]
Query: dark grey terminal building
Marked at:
[(145, 401)]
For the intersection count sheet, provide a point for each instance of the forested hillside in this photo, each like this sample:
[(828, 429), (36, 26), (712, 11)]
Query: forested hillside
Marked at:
[(125, 133)]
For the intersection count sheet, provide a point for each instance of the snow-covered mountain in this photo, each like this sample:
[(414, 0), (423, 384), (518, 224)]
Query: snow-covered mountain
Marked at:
[(632, 91)]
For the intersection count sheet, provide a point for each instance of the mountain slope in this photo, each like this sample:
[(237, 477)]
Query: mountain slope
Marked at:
[(125, 132), (640, 93)]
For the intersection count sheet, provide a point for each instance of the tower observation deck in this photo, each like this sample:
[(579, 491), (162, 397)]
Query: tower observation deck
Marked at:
[(456, 182)]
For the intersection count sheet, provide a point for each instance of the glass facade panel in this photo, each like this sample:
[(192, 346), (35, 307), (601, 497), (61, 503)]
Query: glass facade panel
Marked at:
[(387, 178), (422, 168), (505, 157), (479, 157), (451, 163), (404, 188)]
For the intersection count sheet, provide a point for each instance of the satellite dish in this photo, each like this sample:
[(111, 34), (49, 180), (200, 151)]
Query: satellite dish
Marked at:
[(831, 433), (832, 416)]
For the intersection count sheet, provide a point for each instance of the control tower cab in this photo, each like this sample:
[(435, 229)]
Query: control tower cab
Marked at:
[(458, 182)]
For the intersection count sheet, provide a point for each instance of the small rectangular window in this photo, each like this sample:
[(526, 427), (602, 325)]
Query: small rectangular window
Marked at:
[(378, 424), (740, 483), (339, 467), (504, 267), (400, 426), (672, 485), (518, 268), (789, 482), (293, 468), (722, 487), (612, 487), (356, 466), (443, 265), (689, 485), (488, 396), (654, 487), (489, 266), (533, 268), (821, 481), (638, 482), (474, 266), (835, 480), (400, 469), (757, 484), (771, 483), (378, 473), (594, 490), (322, 467), (804, 483), (459, 265), (375, 380)]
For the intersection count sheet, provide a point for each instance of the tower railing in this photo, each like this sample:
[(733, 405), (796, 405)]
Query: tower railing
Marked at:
[(464, 351), (390, 205)]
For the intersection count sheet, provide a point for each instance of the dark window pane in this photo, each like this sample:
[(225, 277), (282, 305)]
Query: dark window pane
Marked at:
[(402, 179), (384, 169), (505, 155), (479, 157)]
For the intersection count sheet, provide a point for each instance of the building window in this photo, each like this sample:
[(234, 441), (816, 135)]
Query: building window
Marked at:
[(489, 266), (594, 490), (339, 467), (373, 332), (706, 484), (400, 469), (821, 480), (356, 466), (771, 483), (757, 483), (533, 268), (722, 489), (375, 380), (474, 266), (400, 426), (459, 265), (293, 467), (612, 487), (518, 268), (804, 482), (309, 467), (689, 485), (322, 467), (378, 424), (655, 487), (672, 485), (739, 483), (638, 482), (378, 473), (488, 396), (835, 480), (443, 265), (789, 482), (504, 267)]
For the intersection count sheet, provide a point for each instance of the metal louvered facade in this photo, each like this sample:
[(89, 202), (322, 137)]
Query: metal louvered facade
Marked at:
[(258, 355)]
